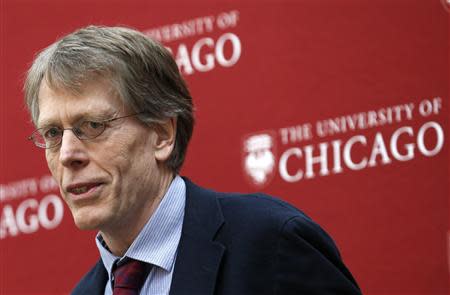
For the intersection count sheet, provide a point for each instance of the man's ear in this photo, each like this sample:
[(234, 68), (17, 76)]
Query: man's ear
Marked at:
[(165, 139)]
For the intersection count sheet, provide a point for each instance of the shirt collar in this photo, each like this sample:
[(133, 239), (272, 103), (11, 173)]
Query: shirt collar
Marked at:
[(157, 242)]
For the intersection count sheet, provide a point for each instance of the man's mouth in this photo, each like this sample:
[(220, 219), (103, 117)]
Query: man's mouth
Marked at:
[(79, 190), (82, 188)]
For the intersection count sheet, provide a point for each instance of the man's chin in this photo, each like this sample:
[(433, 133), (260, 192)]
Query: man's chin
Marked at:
[(87, 222), (86, 226)]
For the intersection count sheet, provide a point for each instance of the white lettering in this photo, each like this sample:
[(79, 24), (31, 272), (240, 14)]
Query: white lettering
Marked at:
[(409, 110), (228, 19), (182, 60), (283, 165), (58, 208), (347, 153), (409, 147), (203, 60), (421, 141), (47, 184), (379, 148), (321, 159), (209, 58), (236, 52), (344, 153), (425, 108), (296, 133), (8, 223), (32, 224), (337, 167), (30, 215), (437, 105)]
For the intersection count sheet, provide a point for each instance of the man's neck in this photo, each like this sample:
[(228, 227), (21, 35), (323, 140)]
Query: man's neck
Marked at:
[(119, 238)]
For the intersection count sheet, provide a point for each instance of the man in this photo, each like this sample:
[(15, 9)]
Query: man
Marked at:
[(115, 117)]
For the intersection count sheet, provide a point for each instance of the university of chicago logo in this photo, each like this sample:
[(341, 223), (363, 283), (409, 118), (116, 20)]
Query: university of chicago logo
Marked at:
[(258, 158)]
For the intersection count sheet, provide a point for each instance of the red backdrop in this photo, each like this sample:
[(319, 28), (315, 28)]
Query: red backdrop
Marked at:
[(339, 107)]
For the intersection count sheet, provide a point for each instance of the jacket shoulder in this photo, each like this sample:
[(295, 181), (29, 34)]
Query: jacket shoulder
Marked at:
[(281, 242), (264, 209), (256, 209)]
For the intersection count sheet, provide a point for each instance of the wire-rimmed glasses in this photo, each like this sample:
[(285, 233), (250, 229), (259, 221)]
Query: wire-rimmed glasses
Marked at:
[(51, 136)]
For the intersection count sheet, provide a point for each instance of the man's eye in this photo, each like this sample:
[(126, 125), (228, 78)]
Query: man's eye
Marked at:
[(51, 133), (91, 129), (94, 125)]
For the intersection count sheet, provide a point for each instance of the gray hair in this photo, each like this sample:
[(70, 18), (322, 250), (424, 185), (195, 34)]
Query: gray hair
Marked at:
[(142, 71)]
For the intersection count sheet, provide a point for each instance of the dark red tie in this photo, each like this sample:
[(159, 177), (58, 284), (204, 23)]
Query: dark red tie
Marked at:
[(129, 277)]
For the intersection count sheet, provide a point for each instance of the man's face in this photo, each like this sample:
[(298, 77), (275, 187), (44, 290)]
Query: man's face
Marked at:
[(108, 182)]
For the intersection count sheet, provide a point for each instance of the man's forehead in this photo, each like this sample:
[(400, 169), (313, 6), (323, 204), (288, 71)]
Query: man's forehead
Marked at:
[(89, 86), (94, 98)]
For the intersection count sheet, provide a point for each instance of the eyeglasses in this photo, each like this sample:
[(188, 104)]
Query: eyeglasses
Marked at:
[(51, 136)]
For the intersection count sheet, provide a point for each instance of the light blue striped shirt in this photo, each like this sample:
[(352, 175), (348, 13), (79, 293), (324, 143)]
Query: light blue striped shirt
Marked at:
[(156, 244)]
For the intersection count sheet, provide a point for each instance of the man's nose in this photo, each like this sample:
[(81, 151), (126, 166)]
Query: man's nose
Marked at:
[(72, 153)]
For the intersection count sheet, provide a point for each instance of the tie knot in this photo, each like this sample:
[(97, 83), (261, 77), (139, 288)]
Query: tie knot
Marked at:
[(130, 275)]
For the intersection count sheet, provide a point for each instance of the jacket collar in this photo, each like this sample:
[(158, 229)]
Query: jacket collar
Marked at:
[(199, 256)]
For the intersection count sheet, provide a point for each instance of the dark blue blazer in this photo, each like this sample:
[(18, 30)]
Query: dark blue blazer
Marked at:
[(247, 245)]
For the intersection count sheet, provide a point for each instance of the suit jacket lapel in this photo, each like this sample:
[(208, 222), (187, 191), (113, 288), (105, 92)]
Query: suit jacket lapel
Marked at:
[(199, 256), (94, 282)]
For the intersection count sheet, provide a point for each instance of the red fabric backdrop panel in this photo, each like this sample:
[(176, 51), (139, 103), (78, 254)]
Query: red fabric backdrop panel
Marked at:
[(339, 107)]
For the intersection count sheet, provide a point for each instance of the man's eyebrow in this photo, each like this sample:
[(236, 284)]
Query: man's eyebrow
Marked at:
[(45, 122), (105, 115)]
